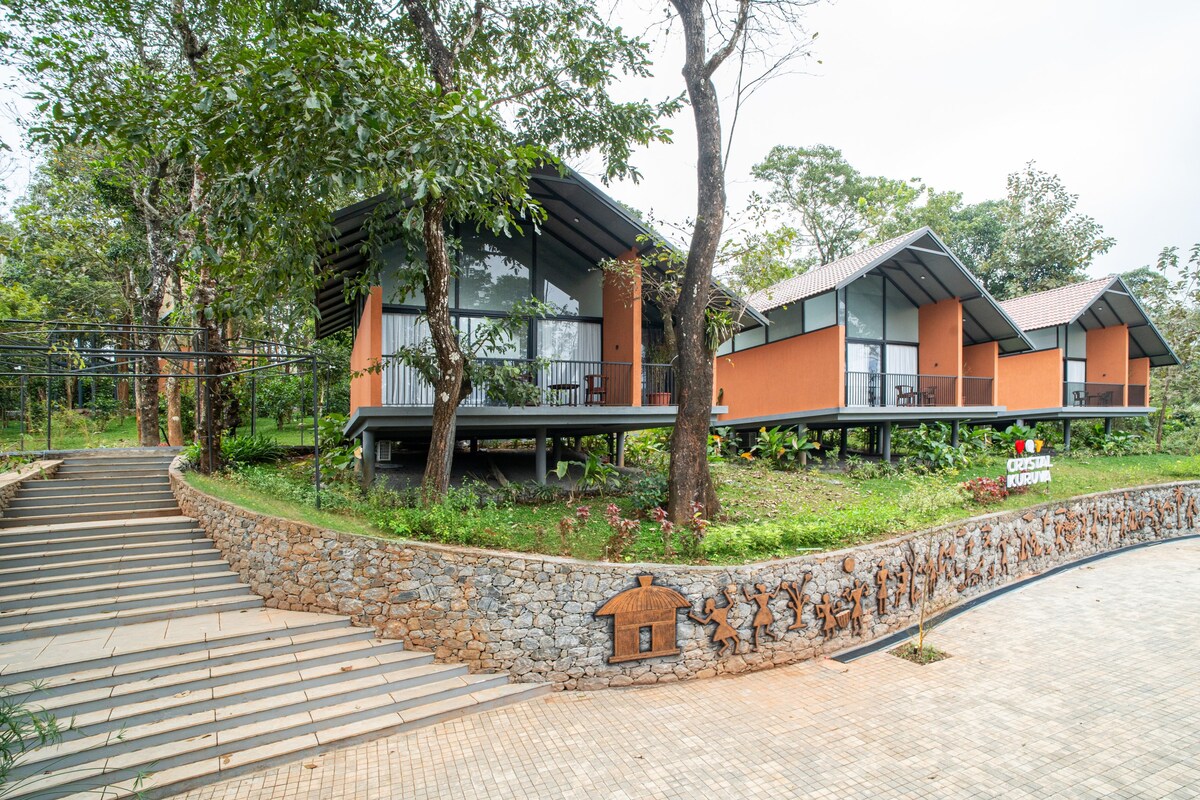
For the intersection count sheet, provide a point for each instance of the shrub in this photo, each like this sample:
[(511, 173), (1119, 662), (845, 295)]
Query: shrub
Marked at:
[(648, 493), (622, 533), (782, 448), (985, 491), (931, 449), (648, 449), (239, 451)]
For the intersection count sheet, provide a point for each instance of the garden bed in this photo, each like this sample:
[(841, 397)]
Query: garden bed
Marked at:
[(767, 513)]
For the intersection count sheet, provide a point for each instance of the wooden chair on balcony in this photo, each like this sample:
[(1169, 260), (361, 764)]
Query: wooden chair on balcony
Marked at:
[(906, 396), (1079, 397), (596, 390)]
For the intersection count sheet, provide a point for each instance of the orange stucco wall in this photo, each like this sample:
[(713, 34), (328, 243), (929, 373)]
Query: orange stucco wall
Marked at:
[(622, 331), (366, 388), (1139, 374), (1030, 380), (797, 374), (982, 361), (1108, 356), (941, 349)]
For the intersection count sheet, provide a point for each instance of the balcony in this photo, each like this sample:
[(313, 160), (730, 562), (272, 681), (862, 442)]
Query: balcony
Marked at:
[(890, 389), (1137, 395), (1103, 395), (522, 383), (977, 391), (658, 384)]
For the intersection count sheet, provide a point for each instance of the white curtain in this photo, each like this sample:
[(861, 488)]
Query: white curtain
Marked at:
[(403, 385), (901, 359)]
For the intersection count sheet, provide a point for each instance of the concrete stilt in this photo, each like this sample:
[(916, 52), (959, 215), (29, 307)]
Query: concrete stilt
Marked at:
[(474, 445), (1066, 435), (368, 458), (621, 449), (539, 455), (843, 444), (1108, 426), (954, 433), (802, 431), (886, 442)]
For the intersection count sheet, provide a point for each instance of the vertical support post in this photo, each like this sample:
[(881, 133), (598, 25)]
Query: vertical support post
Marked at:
[(886, 442), (368, 458), (1066, 435), (474, 445), (539, 457), (1108, 426), (621, 448), (802, 431), (316, 437), (254, 391), (954, 433), (844, 444), (23, 411), (557, 449), (49, 415)]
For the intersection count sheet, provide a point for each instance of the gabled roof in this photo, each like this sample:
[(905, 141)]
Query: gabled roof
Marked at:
[(1054, 306), (578, 213), (833, 275), (924, 270), (1098, 303)]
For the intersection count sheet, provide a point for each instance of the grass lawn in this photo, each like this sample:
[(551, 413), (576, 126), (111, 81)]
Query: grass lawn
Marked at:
[(122, 432), (766, 513)]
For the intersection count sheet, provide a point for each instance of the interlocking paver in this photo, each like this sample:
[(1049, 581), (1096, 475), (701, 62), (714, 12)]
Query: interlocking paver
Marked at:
[(1081, 685)]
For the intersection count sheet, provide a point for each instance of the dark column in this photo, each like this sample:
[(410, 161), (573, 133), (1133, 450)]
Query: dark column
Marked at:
[(539, 459), (1108, 426), (886, 441), (621, 449), (954, 432), (368, 458), (474, 445), (1066, 435), (843, 444)]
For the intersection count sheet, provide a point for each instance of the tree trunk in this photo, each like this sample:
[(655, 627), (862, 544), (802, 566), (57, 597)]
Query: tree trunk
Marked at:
[(689, 480), (1162, 410), (147, 388), (212, 394), (448, 388), (174, 413)]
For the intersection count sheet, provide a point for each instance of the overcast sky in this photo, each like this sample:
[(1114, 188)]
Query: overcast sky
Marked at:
[(1104, 93), (960, 94)]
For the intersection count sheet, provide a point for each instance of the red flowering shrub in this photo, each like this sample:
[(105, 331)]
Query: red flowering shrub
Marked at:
[(985, 491)]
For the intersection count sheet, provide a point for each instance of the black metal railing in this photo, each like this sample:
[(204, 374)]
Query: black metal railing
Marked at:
[(1137, 394), (977, 391), (897, 389), (1093, 394), (521, 383), (658, 384)]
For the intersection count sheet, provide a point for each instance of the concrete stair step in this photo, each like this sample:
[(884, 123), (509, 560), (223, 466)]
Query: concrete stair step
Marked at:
[(105, 561), (135, 659), (145, 664), (178, 767), (150, 546), (133, 459), (17, 629), (76, 482), (53, 544), (121, 601), (194, 570), (22, 520), (71, 529), (43, 501), (303, 710), (155, 694), (40, 596), (88, 507), (51, 489), (116, 468)]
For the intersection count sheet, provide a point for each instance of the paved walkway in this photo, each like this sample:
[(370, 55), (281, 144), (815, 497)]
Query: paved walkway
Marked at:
[(1075, 686)]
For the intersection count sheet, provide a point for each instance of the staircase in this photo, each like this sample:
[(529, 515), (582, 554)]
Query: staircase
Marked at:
[(119, 617)]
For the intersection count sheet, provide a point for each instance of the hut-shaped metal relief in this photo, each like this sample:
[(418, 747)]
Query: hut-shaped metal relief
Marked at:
[(645, 606)]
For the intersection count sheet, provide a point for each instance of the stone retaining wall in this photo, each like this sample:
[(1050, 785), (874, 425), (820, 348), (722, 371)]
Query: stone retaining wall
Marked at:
[(10, 482), (535, 616)]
